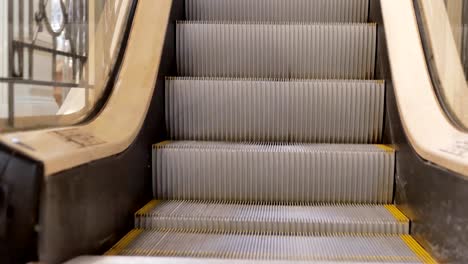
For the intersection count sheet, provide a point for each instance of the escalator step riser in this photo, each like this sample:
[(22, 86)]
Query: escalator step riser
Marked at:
[(307, 51), (278, 10), (266, 110), (272, 219), (182, 260), (178, 243), (269, 172)]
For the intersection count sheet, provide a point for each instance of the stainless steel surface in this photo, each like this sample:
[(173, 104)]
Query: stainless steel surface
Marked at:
[(179, 260), (279, 10), (178, 243), (253, 217), (273, 172), (276, 50), (326, 111)]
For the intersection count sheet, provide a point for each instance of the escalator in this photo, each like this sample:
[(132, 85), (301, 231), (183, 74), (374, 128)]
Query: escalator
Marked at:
[(243, 131), (275, 151)]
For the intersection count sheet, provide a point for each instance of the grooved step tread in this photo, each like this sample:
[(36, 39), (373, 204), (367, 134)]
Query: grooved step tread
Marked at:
[(276, 50), (180, 243), (279, 10), (180, 260), (319, 111), (223, 216), (282, 172)]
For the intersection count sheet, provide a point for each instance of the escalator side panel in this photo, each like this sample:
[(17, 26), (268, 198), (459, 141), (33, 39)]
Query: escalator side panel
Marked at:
[(432, 197), (87, 209), (20, 183)]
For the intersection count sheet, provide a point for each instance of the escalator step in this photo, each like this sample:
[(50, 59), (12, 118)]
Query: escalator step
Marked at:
[(318, 111), (278, 10), (196, 170), (184, 243), (181, 260), (292, 219), (275, 50)]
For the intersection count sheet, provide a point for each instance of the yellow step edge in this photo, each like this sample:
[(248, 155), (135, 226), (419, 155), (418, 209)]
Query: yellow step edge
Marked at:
[(124, 242), (396, 213), (386, 148), (162, 144), (417, 249), (148, 207)]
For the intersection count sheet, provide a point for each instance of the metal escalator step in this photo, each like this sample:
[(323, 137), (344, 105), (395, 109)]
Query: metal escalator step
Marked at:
[(196, 170), (180, 243), (291, 219), (275, 50), (319, 111), (181, 260), (278, 10)]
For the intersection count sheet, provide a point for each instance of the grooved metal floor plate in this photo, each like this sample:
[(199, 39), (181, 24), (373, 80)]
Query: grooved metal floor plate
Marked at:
[(192, 170), (307, 51), (319, 111), (278, 10), (179, 260), (225, 216), (178, 243)]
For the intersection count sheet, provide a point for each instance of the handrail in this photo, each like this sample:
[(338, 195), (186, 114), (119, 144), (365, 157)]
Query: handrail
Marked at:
[(117, 124), (426, 125), (442, 59)]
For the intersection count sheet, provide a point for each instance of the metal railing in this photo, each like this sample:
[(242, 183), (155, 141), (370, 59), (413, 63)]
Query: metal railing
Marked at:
[(57, 58), (65, 23)]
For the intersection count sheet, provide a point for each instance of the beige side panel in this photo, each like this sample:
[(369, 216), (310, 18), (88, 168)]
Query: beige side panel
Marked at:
[(120, 121), (429, 131)]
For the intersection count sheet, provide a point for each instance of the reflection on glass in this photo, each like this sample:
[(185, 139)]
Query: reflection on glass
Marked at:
[(55, 58), (446, 38), (457, 11)]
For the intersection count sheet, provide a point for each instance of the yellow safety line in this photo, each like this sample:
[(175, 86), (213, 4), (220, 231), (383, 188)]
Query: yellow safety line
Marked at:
[(417, 249), (123, 243), (385, 148), (396, 213), (148, 207), (162, 144)]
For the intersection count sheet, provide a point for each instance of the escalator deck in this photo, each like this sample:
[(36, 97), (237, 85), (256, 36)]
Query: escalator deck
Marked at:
[(274, 153)]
